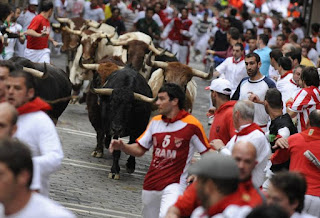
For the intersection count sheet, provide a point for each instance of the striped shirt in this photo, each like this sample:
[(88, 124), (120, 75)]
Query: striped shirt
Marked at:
[(174, 144), (307, 100)]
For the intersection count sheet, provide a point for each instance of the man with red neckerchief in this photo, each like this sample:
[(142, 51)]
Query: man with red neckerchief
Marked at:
[(284, 83), (174, 135), (245, 155), (233, 68), (307, 99), (247, 130), (35, 129), (179, 32), (303, 149)]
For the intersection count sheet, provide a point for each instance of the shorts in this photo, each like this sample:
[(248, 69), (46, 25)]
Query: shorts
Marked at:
[(157, 203), (38, 56)]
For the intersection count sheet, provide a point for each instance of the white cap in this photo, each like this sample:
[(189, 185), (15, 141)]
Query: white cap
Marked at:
[(220, 85), (33, 2)]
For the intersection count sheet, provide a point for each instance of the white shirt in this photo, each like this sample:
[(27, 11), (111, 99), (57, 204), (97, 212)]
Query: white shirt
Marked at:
[(40, 206), (299, 32), (93, 14), (9, 50), (37, 130), (286, 86), (258, 87), (301, 215), (313, 56), (25, 19), (260, 142), (155, 17), (232, 72), (273, 72), (231, 211), (247, 25)]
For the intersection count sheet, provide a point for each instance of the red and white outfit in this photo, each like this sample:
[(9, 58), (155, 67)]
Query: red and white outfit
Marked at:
[(179, 35), (233, 71), (37, 131), (254, 134), (286, 86), (307, 100), (299, 143), (37, 47), (174, 142), (189, 201)]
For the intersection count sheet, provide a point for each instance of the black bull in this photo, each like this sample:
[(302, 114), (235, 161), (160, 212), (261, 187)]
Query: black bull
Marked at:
[(55, 86), (121, 115)]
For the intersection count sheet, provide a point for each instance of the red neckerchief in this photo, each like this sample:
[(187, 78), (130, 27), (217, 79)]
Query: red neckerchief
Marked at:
[(236, 62), (219, 207), (311, 134), (35, 105), (180, 115), (293, 82), (245, 131), (95, 7), (32, 11), (284, 75)]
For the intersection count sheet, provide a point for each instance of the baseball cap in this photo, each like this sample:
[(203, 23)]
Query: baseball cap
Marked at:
[(33, 2), (216, 166), (220, 85)]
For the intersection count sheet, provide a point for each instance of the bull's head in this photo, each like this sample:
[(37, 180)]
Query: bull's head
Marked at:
[(121, 102), (180, 74)]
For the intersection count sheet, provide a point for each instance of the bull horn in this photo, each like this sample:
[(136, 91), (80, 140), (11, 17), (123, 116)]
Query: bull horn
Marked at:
[(63, 20), (90, 66), (56, 25), (103, 91), (75, 32), (34, 72), (158, 52), (160, 64), (144, 98), (93, 24), (202, 74), (105, 35), (117, 42)]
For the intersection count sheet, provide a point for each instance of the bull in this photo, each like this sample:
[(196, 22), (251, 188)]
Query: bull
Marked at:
[(178, 73), (51, 84), (125, 104)]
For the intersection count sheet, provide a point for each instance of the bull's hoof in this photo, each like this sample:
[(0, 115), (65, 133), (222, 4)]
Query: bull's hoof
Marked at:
[(115, 176), (97, 154), (130, 169)]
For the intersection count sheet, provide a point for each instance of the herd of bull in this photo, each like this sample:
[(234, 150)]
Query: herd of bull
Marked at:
[(125, 74)]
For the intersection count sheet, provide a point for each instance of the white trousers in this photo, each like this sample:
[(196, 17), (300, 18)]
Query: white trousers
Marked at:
[(38, 56), (181, 51), (312, 205), (156, 203)]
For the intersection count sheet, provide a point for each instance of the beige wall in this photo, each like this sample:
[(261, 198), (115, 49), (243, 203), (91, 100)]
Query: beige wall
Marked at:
[(315, 18)]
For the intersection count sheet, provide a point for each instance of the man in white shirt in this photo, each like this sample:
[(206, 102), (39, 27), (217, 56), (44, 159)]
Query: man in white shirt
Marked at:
[(275, 54), (93, 12), (18, 200), (297, 29), (233, 68), (256, 84), (284, 83), (35, 128), (247, 130), (312, 53)]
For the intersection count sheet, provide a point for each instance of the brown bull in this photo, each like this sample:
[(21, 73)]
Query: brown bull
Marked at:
[(178, 73)]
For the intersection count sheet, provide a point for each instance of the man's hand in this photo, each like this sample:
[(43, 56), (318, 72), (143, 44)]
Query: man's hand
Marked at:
[(44, 33), (217, 144), (116, 144), (210, 52), (173, 212), (191, 179), (55, 43), (255, 98), (281, 143)]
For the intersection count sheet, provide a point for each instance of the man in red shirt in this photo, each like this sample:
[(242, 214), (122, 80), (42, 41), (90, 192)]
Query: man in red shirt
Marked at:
[(301, 149), (222, 126), (179, 34), (174, 135), (245, 155), (38, 35)]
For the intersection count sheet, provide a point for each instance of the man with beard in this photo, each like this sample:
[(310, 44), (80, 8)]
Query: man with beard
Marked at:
[(257, 84), (245, 155), (174, 135)]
